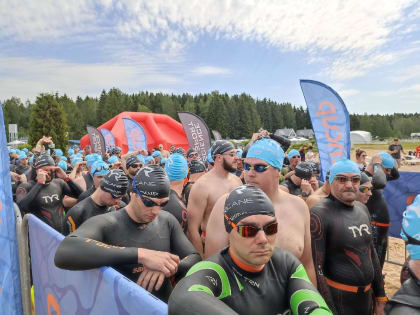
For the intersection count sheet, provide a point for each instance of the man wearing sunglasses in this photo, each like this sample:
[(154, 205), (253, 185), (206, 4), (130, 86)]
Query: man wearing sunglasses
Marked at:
[(197, 169), (365, 189), (407, 299), (111, 189), (209, 188), (299, 183), (347, 266), (381, 169), (294, 159), (132, 166), (262, 167), (192, 155), (142, 242), (251, 275)]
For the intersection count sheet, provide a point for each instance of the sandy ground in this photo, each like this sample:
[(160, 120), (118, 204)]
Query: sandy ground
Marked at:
[(396, 248)]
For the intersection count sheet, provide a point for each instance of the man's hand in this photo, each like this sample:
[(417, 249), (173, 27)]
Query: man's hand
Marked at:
[(158, 261), (314, 183), (380, 307), (60, 173), (306, 186), (150, 279), (15, 176), (376, 159)]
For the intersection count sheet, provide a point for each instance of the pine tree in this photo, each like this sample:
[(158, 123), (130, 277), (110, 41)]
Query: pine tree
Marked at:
[(48, 119)]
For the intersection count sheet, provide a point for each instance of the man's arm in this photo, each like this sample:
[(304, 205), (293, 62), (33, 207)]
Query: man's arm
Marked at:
[(26, 194), (216, 235), (378, 282), (196, 206), (319, 239), (196, 294)]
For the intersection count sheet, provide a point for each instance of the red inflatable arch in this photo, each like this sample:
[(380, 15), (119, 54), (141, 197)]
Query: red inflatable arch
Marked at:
[(159, 128)]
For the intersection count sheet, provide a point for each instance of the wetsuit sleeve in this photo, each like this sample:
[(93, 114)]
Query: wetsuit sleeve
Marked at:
[(71, 189), (377, 283), (181, 246), (26, 194), (72, 220), (83, 249), (302, 295), (201, 291), (319, 228), (379, 178)]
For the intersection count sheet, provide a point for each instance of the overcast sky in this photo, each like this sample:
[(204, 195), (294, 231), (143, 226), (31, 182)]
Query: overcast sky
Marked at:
[(368, 50)]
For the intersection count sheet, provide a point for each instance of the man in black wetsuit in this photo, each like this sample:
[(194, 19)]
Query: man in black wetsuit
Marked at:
[(44, 196), (113, 187), (381, 169), (345, 260), (132, 166), (98, 170), (365, 190), (250, 276), (407, 299), (298, 183), (197, 169), (142, 242), (176, 168)]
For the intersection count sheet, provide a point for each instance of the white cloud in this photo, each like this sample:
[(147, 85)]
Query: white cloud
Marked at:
[(408, 74), (210, 70), (349, 92)]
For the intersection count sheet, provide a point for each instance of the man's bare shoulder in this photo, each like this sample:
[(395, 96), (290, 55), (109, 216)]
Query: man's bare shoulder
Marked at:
[(294, 201), (235, 180)]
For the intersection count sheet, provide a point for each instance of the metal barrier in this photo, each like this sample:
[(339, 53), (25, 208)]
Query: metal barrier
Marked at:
[(22, 233)]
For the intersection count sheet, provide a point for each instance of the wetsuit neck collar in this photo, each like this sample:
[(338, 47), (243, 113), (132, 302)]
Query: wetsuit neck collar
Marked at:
[(413, 276), (243, 265), (336, 200)]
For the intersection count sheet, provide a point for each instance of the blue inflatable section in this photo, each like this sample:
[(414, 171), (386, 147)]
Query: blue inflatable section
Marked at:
[(398, 195), (97, 291)]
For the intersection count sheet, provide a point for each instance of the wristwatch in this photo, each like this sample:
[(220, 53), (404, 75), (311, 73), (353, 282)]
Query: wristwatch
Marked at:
[(305, 194)]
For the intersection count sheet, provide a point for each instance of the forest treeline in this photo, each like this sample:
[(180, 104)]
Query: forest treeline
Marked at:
[(233, 116)]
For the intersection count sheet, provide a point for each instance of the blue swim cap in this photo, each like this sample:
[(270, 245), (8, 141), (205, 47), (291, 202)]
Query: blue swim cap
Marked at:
[(63, 158), (149, 158), (156, 154), (343, 166), (113, 159), (411, 226), (71, 152), (387, 160), (59, 152), (62, 165), (239, 153), (12, 151), (176, 167), (92, 158), (25, 150), (22, 155), (75, 161), (99, 168), (292, 153), (141, 158), (209, 157), (163, 160), (267, 150), (31, 160)]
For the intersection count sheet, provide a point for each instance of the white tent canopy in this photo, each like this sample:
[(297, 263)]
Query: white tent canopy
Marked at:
[(360, 137)]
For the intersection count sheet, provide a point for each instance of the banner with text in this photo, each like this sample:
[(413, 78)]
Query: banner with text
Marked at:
[(136, 137), (10, 297), (96, 291), (398, 195), (330, 122), (108, 137), (97, 141), (216, 135), (197, 132)]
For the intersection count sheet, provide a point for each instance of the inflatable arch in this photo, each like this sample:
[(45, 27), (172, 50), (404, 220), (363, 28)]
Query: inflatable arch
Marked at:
[(159, 129)]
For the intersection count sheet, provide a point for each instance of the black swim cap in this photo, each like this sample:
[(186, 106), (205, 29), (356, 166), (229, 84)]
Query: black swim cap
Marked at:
[(220, 147), (364, 178), (304, 170), (197, 166), (244, 201), (115, 182), (180, 151), (132, 159), (315, 167), (152, 181), (45, 160)]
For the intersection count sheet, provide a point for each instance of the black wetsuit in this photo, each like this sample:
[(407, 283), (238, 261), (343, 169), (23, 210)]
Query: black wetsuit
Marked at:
[(344, 254), (406, 300), (86, 193), (293, 189), (45, 200), (85, 248), (88, 180), (23, 170), (176, 207), (219, 286), (378, 210), (82, 211), (186, 192)]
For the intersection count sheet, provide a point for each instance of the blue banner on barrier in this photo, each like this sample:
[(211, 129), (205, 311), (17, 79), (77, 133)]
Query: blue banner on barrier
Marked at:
[(398, 195), (330, 122), (108, 137), (136, 137), (10, 297), (97, 291)]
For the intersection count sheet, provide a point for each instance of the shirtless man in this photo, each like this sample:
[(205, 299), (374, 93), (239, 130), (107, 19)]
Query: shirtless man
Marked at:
[(262, 166), (209, 188)]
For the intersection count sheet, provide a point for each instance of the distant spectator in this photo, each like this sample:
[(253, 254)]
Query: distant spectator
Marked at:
[(395, 150), (310, 155), (302, 149), (361, 159), (418, 151)]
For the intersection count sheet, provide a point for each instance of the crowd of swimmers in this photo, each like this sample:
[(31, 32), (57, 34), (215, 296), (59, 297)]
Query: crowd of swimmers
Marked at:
[(248, 231)]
